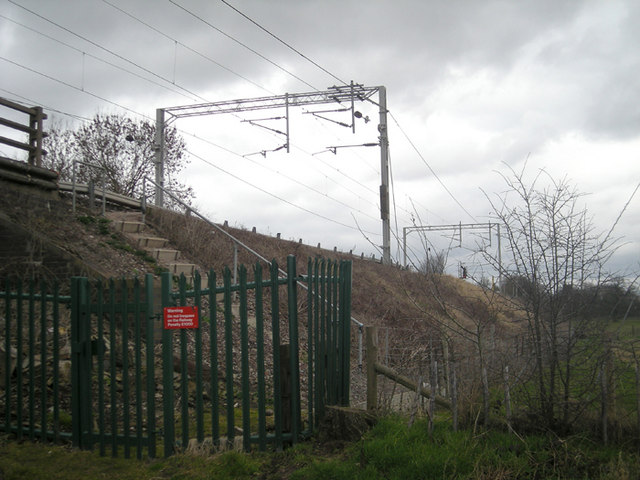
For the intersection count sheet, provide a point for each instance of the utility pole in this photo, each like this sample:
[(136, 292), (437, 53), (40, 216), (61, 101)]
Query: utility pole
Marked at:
[(384, 173), (339, 94), (159, 158)]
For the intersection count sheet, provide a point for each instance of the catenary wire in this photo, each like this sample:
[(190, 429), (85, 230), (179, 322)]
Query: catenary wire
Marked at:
[(415, 148), (57, 80), (235, 73), (148, 118), (283, 42), (114, 65), (101, 98), (34, 102), (97, 45), (106, 62), (273, 195), (192, 50), (345, 83), (195, 155), (244, 78), (230, 37)]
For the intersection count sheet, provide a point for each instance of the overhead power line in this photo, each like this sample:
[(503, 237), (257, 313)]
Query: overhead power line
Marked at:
[(146, 79), (49, 77), (57, 80), (415, 148), (271, 194), (244, 45), (198, 156), (51, 109), (192, 50), (97, 45), (106, 62), (283, 42)]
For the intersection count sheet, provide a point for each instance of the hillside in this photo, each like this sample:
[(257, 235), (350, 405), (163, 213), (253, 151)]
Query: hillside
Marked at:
[(421, 318), (42, 237)]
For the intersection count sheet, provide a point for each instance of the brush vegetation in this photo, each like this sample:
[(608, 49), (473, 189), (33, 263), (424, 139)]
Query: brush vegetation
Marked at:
[(391, 450)]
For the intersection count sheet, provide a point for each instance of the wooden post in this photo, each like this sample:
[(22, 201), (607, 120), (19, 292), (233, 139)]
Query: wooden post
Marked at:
[(604, 410), (454, 396), (371, 337), (416, 402), (485, 396), (92, 195), (637, 394), (434, 388), (507, 395)]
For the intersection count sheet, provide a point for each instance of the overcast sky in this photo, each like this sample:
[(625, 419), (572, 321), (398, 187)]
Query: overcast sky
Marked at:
[(473, 87)]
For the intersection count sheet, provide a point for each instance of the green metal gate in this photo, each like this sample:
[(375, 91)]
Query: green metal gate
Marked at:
[(267, 355)]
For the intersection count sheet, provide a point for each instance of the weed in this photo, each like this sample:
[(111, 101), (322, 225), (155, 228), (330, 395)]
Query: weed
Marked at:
[(103, 226), (86, 219), (159, 270)]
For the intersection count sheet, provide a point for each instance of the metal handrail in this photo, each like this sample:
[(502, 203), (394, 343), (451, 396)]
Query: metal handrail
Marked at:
[(359, 324)]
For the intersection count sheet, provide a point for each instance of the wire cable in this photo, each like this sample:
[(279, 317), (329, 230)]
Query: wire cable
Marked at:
[(230, 37), (192, 50), (74, 87), (193, 154), (291, 179), (51, 109), (143, 78), (133, 73), (406, 136), (97, 45), (106, 62), (150, 119), (283, 42), (240, 179)]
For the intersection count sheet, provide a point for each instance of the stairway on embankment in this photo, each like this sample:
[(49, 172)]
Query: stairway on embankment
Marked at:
[(142, 237)]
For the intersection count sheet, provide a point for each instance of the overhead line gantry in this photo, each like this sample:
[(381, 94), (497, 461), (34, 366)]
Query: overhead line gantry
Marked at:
[(341, 95)]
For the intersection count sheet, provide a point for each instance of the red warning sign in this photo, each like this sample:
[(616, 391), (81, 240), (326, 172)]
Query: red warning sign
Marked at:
[(180, 317)]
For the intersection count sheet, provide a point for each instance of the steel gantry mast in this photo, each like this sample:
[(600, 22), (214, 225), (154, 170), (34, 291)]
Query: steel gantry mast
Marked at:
[(341, 95)]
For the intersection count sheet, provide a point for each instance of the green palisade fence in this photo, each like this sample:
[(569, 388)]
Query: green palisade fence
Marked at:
[(34, 362), (97, 366)]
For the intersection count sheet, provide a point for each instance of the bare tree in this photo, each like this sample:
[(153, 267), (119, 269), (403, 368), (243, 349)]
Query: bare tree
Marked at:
[(556, 261), (433, 263), (123, 151)]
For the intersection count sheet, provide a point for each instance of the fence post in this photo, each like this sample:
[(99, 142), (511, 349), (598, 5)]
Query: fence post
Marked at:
[(345, 329), (292, 283), (167, 372), (80, 365), (7, 367), (151, 378), (371, 335), (507, 395), (36, 136), (275, 333), (285, 388)]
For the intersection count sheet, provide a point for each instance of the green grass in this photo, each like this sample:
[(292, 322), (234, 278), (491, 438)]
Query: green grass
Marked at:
[(22, 461), (390, 451), (393, 451)]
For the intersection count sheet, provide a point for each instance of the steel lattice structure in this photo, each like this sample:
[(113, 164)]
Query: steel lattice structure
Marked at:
[(339, 95)]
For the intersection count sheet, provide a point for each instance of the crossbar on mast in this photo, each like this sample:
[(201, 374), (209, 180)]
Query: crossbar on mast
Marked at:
[(332, 95)]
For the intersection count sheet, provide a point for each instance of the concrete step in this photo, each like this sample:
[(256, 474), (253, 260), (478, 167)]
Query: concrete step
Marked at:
[(131, 216), (125, 226), (163, 255), (177, 269), (188, 270), (145, 242), (125, 216)]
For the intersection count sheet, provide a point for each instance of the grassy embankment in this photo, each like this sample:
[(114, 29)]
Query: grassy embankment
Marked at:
[(392, 450)]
